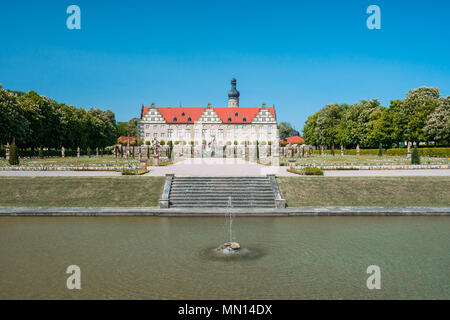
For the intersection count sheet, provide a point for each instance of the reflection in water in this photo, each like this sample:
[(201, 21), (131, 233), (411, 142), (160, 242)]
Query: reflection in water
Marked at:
[(172, 258)]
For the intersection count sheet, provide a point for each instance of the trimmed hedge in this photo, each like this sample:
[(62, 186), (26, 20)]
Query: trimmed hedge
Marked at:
[(426, 152), (52, 153), (307, 171)]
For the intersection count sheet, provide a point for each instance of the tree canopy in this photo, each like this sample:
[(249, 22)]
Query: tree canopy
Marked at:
[(421, 117), (39, 122)]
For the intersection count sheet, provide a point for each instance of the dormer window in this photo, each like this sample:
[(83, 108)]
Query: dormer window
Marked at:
[(244, 119), (229, 119), (174, 119), (236, 114), (189, 119), (182, 114)]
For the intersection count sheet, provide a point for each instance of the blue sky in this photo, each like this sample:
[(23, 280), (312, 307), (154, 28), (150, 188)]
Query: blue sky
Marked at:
[(298, 55)]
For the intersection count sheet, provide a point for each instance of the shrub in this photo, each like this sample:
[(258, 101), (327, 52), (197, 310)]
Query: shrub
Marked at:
[(133, 172), (228, 143), (269, 143), (14, 154), (147, 143), (415, 157), (162, 142), (140, 142), (235, 143), (263, 143), (177, 142), (191, 143), (311, 171)]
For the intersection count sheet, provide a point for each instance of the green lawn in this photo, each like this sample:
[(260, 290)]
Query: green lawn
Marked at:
[(365, 191), (127, 191)]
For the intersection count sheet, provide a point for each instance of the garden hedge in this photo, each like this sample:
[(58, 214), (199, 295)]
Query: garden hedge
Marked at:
[(427, 152)]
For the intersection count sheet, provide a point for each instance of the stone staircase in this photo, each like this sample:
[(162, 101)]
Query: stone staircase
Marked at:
[(213, 192)]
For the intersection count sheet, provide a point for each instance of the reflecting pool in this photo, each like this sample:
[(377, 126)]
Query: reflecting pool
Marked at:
[(171, 258)]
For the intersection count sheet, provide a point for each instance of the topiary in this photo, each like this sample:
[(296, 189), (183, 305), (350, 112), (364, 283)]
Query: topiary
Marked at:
[(415, 157), (14, 154)]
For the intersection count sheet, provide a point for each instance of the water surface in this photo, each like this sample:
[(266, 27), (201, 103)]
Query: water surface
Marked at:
[(169, 258)]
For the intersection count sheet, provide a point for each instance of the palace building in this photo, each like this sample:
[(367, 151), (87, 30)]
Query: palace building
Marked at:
[(206, 125)]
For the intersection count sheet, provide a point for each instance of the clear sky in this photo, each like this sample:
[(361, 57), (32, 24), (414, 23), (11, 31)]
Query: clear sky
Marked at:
[(298, 55)]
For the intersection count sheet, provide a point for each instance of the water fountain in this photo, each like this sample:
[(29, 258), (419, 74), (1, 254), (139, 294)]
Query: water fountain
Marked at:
[(229, 247)]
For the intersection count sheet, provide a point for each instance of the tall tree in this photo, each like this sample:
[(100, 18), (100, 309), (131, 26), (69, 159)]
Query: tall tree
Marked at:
[(415, 109), (438, 122)]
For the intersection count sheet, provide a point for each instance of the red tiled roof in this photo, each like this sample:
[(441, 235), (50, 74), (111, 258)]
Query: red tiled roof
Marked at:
[(191, 114), (194, 113), (294, 140), (126, 138), (230, 112)]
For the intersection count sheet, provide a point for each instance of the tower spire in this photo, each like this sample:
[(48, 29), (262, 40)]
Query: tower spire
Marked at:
[(233, 95)]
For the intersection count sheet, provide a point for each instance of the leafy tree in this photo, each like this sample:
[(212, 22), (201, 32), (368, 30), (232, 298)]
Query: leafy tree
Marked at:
[(438, 122), (328, 124), (285, 129), (415, 109), (309, 130)]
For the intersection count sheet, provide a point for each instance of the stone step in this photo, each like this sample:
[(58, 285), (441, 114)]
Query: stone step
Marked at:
[(220, 201), (214, 192), (215, 206), (227, 190)]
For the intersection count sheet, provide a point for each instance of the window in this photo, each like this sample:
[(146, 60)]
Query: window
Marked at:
[(180, 134), (147, 127), (162, 126), (220, 133), (147, 134), (212, 133), (264, 119), (153, 119), (203, 132), (244, 119), (196, 132), (162, 135), (229, 133), (155, 126), (155, 135), (169, 133), (209, 119), (188, 133), (152, 113)]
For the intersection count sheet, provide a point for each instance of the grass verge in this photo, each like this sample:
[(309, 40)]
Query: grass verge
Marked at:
[(365, 191), (129, 191)]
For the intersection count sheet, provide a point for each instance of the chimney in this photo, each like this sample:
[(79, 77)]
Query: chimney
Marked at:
[(209, 105), (153, 104), (263, 105)]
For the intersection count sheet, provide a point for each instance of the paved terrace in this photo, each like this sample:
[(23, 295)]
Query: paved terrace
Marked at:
[(212, 167)]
